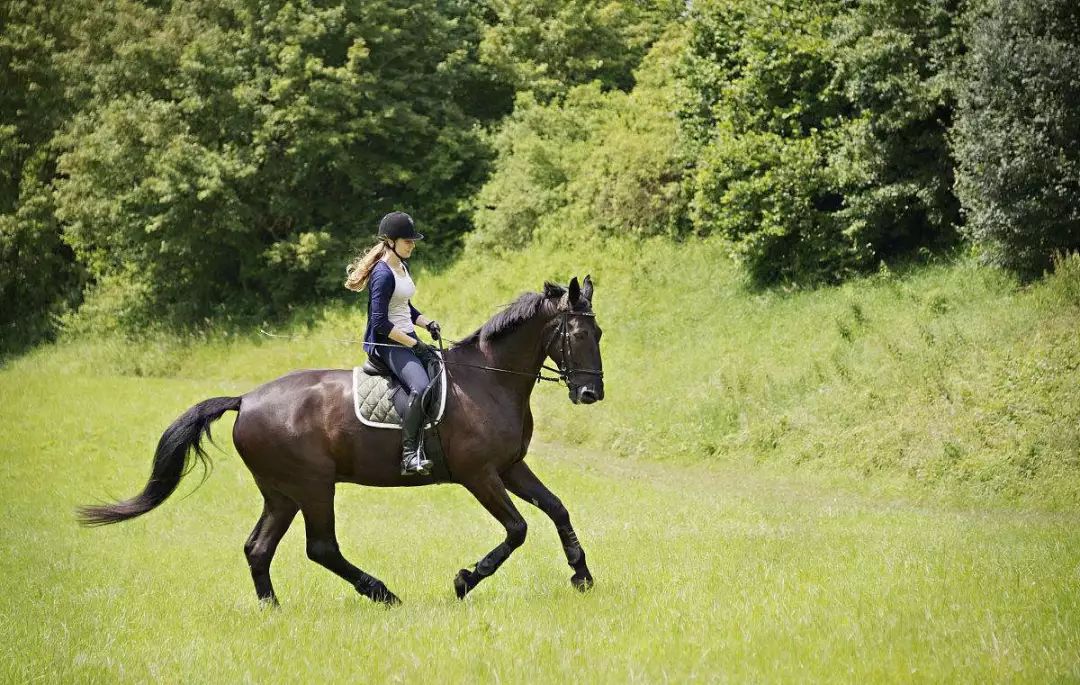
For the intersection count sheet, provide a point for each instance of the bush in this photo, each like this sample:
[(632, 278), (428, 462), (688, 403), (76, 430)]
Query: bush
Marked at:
[(895, 70), (767, 194), (233, 154), (38, 275), (588, 163), (758, 108), (1017, 135), (549, 46), (820, 131)]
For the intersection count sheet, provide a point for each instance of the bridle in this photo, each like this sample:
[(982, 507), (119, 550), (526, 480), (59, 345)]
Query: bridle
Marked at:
[(566, 368)]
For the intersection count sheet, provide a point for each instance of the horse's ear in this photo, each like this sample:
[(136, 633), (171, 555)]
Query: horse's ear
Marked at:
[(575, 291), (551, 291), (586, 288)]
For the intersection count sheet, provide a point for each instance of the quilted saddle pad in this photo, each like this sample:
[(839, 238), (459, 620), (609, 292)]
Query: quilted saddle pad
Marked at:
[(373, 399)]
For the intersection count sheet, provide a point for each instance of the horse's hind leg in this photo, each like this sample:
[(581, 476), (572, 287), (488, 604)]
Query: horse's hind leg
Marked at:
[(322, 548), (278, 513), (491, 492), (521, 481)]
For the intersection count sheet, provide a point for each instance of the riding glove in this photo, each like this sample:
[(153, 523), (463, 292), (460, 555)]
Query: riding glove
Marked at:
[(435, 330), (424, 352)]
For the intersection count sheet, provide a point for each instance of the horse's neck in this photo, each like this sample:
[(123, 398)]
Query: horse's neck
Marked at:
[(519, 350)]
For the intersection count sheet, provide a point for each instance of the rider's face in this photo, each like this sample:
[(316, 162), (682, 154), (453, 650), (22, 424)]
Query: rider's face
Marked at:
[(404, 247)]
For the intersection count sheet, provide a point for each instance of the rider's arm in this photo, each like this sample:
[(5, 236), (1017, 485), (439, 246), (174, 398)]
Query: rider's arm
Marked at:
[(382, 287), (418, 319), (402, 337)]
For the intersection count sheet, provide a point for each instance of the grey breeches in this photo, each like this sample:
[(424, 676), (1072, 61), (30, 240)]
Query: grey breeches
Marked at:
[(408, 369)]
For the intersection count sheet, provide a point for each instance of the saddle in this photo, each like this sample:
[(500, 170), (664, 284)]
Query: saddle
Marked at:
[(374, 387)]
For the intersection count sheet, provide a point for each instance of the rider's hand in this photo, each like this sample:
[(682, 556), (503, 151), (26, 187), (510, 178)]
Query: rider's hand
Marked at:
[(435, 330), (423, 351)]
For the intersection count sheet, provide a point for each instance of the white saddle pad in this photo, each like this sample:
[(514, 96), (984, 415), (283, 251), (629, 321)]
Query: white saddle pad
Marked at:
[(373, 399)]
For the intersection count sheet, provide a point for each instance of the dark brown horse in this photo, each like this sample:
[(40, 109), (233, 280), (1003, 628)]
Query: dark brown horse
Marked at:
[(299, 437)]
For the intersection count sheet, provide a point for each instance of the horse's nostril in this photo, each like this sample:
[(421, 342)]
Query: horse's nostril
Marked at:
[(588, 393)]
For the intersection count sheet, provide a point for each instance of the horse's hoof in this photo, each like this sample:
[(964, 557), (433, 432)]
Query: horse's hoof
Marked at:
[(382, 595), (389, 599), (268, 603), (582, 582), (463, 582)]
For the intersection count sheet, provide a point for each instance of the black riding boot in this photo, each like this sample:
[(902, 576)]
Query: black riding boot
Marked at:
[(412, 442)]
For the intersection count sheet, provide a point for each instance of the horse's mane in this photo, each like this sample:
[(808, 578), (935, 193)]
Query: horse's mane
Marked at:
[(524, 308)]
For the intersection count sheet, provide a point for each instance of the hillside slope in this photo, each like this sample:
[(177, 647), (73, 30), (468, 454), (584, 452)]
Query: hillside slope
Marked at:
[(949, 377)]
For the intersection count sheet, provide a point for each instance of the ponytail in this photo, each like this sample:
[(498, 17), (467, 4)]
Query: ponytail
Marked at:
[(359, 269)]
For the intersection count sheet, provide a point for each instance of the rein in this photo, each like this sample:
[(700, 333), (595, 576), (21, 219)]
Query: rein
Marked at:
[(562, 330), (563, 376)]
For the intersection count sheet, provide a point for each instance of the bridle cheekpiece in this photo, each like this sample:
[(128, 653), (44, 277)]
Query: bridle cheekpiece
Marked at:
[(566, 367)]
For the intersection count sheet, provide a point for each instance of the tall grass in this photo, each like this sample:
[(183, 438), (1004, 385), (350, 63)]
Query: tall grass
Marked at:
[(703, 573), (948, 377)]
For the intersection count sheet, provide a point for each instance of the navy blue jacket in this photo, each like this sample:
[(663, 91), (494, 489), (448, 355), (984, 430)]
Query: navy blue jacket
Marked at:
[(381, 286)]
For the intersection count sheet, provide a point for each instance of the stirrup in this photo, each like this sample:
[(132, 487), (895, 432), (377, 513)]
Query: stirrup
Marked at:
[(415, 464)]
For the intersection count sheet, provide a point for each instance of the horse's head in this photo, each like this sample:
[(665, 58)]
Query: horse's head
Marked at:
[(572, 340)]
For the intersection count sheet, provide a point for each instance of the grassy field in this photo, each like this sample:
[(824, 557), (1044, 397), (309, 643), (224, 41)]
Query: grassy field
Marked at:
[(875, 482), (950, 380), (703, 572)]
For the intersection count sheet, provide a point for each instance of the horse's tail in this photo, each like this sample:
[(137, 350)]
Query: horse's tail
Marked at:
[(172, 461)]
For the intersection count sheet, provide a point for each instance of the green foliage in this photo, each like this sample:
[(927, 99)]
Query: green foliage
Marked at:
[(38, 278), (760, 107), (895, 69), (550, 46), (763, 192), (589, 163), (1017, 136), (234, 154), (632, 180), (819, 130), (189, 160)]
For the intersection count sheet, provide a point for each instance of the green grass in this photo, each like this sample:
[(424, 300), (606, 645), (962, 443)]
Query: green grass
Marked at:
[(945, 381), (703, 572)]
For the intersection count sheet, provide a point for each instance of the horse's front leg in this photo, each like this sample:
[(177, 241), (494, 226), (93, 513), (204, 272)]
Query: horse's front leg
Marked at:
[(521, 481), (489, 489)]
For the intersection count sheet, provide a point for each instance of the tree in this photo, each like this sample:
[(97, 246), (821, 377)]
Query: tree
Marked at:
[(759, 113), (896, 63), (549, 46), (38, 277), (1017, 134), (819, 131), (590, 162), (233, 154)]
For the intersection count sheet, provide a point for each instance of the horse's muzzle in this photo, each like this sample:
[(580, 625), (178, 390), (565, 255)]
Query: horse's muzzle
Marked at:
[(586, 394)]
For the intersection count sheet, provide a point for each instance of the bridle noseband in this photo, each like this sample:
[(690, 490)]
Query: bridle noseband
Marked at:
[(566, 367)]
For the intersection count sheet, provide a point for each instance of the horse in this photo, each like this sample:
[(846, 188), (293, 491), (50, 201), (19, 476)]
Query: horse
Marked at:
[(299, 437)]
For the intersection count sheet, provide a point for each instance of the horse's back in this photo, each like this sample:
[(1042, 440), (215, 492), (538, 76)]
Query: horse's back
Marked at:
[(288, 427)]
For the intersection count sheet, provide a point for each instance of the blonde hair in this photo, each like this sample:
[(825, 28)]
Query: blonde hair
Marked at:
[(359, 269)]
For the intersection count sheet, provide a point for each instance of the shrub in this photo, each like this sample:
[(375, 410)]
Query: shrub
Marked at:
[(590, 162), (1017, 135), (819, 130)]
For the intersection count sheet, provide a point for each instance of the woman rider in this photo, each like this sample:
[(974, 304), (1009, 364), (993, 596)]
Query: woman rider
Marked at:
[(391, 327)]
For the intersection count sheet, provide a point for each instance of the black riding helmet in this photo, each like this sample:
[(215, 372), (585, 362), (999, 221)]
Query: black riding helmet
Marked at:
[(399, 225)]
